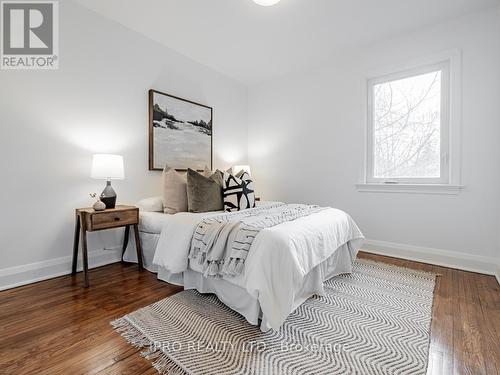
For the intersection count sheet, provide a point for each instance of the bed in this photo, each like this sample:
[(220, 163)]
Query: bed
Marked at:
[(286, 263)]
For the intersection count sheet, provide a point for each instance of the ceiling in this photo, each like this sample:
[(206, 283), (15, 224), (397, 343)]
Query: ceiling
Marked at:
[(251, 43)]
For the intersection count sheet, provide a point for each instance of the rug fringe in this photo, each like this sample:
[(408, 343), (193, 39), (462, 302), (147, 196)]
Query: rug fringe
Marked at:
[(164, 365), (130, 333), (160, 361)]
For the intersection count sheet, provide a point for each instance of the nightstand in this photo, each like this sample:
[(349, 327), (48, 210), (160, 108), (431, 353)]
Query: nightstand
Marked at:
[(89, 220)]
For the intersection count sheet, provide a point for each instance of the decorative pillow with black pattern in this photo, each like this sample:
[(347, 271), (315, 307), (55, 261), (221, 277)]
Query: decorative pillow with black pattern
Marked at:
[(238, 192)]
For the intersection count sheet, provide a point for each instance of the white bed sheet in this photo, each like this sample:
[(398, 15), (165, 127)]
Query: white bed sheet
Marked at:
[(153, 222)]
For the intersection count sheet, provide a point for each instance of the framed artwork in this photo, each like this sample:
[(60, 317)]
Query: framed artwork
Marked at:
[(180, 133)]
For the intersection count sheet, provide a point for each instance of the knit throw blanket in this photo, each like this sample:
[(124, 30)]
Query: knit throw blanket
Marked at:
[(221, 243)]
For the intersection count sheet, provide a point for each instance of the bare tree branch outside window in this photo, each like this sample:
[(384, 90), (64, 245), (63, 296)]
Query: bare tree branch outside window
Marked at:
[(407, 122)]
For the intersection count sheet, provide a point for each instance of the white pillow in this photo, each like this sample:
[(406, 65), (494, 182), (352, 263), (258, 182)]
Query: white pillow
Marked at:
[(151, 204)]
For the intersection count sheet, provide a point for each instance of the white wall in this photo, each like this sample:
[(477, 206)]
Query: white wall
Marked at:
[(306, 136), (51, 122), (304, 139)]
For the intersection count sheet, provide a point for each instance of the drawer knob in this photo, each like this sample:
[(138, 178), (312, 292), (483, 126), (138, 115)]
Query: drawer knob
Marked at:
[(117, 219)]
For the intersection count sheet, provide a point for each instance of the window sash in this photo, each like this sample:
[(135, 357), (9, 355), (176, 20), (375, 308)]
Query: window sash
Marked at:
[(445, 171)]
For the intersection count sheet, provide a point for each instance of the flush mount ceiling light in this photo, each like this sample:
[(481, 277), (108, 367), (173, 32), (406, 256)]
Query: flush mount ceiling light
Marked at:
[(266, 3)]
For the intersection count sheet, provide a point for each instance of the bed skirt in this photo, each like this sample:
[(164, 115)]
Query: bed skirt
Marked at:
[(238, 299), (235, 296)]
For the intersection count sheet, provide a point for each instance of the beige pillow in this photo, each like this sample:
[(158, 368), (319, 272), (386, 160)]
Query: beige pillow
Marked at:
[(218, 176), (206, 172), (174, 191), (152, 204), (239, 174)]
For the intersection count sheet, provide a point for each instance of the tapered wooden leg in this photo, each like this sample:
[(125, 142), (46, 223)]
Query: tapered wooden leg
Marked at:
[(138, 247), (125, 239), (76, 240), (85, 257)]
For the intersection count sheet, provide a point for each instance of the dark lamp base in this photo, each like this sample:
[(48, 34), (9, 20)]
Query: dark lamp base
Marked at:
[(110, 202), (108, 196)]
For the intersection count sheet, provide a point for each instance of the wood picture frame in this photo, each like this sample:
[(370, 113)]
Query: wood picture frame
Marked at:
[(180, 133)]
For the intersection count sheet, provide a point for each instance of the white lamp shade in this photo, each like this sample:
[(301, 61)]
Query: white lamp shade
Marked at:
[(238, 168), (107, 167)]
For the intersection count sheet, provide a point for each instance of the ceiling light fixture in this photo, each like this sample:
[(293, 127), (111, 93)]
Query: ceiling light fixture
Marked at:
[(266, 3)]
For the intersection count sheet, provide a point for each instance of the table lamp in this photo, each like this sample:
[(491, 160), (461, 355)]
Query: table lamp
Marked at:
[(239, 168), (107, 167)]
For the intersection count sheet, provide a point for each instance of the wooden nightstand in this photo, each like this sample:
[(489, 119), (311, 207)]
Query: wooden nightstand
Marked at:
[(89, 220)]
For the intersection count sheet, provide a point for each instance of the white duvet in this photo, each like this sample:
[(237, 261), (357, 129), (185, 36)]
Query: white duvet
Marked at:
[(279, 258)]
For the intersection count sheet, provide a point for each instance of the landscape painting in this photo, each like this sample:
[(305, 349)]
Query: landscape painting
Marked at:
[(180, 133)]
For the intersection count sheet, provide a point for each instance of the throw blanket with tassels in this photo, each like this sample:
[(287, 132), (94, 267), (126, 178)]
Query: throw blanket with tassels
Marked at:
[(221, 243)]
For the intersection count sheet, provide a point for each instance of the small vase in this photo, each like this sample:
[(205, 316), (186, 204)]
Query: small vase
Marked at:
[(99, 206)]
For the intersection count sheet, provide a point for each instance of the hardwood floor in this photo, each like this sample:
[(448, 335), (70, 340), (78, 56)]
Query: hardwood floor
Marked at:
[(465, 330), (57, 327)]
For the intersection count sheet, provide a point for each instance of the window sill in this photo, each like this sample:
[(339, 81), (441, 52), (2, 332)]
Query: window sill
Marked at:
[(447, 189)]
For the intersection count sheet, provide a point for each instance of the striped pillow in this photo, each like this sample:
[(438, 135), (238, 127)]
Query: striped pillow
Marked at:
[(238, 193)]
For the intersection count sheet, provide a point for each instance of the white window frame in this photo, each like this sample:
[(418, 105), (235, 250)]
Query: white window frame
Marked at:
[(449, 63)]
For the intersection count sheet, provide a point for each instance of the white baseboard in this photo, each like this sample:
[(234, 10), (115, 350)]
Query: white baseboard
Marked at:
[(31, 273), (498, 265), (438, 257)]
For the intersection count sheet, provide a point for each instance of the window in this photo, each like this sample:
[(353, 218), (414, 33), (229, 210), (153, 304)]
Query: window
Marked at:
[(408, 127)]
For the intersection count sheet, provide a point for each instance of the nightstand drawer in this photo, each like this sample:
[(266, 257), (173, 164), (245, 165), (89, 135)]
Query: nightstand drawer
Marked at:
[(107, 220)]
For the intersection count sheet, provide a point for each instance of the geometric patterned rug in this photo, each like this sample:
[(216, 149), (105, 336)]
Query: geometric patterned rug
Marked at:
[(373, 321)]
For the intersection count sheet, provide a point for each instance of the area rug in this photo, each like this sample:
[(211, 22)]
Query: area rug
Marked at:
[(373, 321)]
